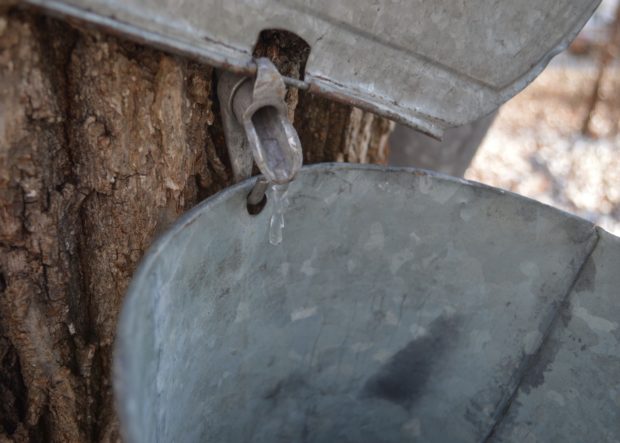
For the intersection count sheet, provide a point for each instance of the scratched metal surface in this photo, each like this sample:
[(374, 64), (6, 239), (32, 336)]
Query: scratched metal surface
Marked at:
[(431, 64), (400, 306), (575, 382)]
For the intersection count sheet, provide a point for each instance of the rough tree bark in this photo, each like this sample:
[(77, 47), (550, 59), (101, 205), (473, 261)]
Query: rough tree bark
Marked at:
[(103, 144)]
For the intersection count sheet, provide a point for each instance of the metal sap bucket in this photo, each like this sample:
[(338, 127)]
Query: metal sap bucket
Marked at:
[(400, 306)]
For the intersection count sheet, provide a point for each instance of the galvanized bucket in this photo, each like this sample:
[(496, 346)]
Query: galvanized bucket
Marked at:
[(400, 306)]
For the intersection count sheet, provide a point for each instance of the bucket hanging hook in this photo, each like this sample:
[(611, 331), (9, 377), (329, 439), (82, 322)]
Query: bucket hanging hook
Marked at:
[(257, 127)]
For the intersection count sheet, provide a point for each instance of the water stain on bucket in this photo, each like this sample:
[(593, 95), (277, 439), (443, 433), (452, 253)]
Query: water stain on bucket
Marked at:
[(403, 378)]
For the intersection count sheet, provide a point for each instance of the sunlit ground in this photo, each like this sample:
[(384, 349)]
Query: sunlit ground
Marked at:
[(535, 147)]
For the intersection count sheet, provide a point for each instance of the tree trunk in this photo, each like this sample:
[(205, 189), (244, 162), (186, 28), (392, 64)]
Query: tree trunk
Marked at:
[(103, 144)]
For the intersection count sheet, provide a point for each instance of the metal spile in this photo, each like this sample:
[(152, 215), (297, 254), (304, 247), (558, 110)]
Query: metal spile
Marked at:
[(257, 126)]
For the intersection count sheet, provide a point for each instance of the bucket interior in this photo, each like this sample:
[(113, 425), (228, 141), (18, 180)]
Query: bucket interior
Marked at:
[(399, 306)]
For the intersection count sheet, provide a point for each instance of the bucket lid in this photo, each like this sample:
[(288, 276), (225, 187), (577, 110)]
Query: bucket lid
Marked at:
[(431, 64)]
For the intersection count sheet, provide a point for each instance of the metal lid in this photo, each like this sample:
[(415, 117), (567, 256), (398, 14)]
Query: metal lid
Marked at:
[(431, 64)]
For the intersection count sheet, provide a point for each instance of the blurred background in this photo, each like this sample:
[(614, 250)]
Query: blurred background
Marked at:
[(558, 141)]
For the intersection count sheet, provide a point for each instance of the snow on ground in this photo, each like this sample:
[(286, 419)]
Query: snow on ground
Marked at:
[(535, 147)]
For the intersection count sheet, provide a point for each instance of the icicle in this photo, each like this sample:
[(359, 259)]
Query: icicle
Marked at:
[(279, 204)]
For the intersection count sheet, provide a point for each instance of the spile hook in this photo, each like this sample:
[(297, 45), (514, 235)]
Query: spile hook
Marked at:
[(257, 127)]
